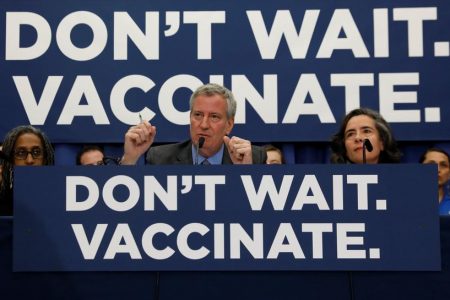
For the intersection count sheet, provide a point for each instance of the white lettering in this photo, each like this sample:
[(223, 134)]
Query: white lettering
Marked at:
[(308, 84), (14, 22), (283, 25), (343, 240), (147, 43), (267, 188), (72, 201), (64, 41), (389, 97)]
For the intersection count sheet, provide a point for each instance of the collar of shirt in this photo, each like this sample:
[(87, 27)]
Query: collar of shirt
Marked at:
[(216, 159)]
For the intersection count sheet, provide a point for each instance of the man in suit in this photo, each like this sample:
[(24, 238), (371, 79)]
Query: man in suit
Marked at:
[(212, 111)]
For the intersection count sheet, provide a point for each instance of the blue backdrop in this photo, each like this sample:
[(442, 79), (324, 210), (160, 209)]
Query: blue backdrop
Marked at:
[(84, 70)]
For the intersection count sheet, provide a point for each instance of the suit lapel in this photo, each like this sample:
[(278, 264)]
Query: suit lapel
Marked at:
[(226, 160), (184, 155)]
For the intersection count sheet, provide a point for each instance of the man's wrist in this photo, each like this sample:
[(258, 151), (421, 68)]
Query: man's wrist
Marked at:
[(127, 161)]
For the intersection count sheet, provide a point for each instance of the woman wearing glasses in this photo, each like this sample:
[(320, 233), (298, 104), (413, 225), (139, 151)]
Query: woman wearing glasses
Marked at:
[(358, 125), (23, 146)]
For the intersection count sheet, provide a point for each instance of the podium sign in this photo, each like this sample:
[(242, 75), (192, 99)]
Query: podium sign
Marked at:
[(287, 217)]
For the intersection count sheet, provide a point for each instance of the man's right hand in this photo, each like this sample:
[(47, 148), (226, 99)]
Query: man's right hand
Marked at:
[(138, 140)]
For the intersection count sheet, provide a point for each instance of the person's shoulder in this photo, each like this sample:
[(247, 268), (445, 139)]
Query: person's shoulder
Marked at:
[(446, 199), (170, 147), (444, 206), (259, 155)]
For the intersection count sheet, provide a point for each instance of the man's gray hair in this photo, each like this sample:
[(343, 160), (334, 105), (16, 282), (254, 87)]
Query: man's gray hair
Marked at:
[(211, 89)]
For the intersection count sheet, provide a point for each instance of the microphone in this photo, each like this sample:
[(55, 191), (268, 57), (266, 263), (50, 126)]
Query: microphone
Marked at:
[(366, 145), (201, 141), (199, 145)]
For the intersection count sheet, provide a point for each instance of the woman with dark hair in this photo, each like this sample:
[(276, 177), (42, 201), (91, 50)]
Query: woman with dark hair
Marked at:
[(358, 125), (440, 157), (23, 146)]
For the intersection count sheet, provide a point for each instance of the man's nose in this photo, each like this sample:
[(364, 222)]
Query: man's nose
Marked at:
[(205, 122)]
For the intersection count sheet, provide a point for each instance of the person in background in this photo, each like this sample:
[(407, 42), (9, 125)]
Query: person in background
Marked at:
[(440, 157), (212, 111), (90, 155), (358, 125), (22, 146), (274, 155)]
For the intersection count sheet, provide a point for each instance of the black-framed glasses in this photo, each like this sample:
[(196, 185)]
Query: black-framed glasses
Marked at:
[(111, 161), (107, 160), (98, 163), (22, 153)]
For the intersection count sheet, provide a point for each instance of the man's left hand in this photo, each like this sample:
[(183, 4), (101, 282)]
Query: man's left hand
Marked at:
[(240, 150)]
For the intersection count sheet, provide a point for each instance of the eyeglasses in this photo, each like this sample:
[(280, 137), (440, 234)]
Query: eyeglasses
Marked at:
[(98, 163), (108, 160), (23, 153)]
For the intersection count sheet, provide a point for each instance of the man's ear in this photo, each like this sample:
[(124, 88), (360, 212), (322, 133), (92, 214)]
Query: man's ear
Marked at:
[(230, 124)]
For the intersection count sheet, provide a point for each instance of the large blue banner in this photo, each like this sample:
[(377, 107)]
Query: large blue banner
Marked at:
[(310, 217), (85, 70)]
